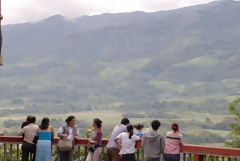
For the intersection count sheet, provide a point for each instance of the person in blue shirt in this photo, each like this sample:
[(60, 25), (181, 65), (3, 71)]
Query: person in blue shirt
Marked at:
[(45, 135), (138, 131)]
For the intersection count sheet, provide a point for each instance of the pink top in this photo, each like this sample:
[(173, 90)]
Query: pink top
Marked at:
[(173, 141)]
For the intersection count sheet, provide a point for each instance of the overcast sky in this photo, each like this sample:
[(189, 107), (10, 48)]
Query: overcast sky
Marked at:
[(18, 11)]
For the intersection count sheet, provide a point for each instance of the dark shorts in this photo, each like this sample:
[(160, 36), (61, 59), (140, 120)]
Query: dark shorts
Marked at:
[(128, 157)]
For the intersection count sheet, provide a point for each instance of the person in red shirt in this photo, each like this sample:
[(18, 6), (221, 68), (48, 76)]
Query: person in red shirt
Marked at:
[(96, 145)]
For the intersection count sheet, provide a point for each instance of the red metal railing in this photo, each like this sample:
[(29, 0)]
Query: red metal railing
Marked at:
[(188, 152)]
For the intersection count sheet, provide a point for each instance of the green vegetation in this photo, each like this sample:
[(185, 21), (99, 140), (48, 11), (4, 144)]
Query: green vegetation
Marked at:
[(171, 65), (235, 125)]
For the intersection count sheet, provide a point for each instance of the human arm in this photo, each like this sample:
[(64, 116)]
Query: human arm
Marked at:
[(117, 142), (76, 136), (51, 130), (162, 144), (60, 133), (99, 137), (1, 133), (21, 132)]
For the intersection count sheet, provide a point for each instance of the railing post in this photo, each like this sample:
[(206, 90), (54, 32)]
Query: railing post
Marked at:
[(58, 154), (5, 152), (11, 152), (17, 152), (79, 152), (198, 157), (184, 156), (85, 152)]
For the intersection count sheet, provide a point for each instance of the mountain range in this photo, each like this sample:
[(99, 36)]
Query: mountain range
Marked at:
[(111, 60)]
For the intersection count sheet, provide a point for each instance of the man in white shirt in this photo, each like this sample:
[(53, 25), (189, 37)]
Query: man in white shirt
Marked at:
[(112, 148), (28, 146)]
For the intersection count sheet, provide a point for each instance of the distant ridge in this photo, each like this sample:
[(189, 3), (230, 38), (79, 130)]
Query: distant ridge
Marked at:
[(126, 57)]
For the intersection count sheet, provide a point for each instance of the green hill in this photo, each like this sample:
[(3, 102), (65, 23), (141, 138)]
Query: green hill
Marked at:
[(188, 58)]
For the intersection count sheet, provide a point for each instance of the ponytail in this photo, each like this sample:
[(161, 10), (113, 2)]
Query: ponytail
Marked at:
[(175, 127), (130, 130)]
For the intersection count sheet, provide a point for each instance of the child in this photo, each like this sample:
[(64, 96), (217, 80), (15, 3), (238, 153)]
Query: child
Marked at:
[(139, 128), (128, 140)]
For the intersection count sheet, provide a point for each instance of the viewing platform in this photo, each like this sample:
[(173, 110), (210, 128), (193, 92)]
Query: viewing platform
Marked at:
[(10, 151)]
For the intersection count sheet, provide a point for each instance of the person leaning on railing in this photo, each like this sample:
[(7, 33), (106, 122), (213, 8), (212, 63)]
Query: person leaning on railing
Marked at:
[(173, 142), (69, 131), (112, 148), (28, 146), (153, 142), (45, 136), (128, 141), (95, 149)]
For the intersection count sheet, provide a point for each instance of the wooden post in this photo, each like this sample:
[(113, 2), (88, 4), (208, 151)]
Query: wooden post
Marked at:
[(198, 157)]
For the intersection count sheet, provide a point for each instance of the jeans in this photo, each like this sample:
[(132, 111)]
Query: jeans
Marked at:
[(27, 149), (66, 155), (128, 157), (171, 157)]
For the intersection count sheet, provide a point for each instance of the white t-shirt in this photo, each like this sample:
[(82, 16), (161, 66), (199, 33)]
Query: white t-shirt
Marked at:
[(128, 145), (70, 136)]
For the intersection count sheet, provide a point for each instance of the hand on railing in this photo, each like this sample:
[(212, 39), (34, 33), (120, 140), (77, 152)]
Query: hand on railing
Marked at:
[(1, 133)]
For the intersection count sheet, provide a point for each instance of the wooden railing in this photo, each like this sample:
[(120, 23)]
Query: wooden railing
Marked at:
[(188, 152)]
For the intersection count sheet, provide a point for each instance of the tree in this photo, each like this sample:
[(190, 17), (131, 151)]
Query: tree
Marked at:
[(233, 108)]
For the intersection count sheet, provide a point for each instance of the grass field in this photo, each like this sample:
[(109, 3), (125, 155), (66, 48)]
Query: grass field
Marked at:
[(111, 118)]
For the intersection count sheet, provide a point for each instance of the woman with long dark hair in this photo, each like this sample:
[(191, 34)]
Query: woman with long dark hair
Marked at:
[(128, 140), (45, 136), (96, 145), (173, 142)]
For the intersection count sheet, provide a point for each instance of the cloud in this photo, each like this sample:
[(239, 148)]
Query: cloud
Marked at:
[(17, 11)]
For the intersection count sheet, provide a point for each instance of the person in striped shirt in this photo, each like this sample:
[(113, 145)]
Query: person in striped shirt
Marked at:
[(173, 142)]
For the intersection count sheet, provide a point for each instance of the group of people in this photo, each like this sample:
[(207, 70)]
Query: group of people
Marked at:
[(120, 147), (37, 139)]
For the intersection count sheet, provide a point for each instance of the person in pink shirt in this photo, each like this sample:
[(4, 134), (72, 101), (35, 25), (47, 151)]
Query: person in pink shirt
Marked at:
[(173, 141)]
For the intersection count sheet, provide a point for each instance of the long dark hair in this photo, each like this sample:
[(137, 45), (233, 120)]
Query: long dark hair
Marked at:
[(98, 122), (45, 123), (130, 130), (69, 119)]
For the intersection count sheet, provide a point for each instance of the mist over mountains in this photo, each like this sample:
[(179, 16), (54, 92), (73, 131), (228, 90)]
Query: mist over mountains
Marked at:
[(123, 59)]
